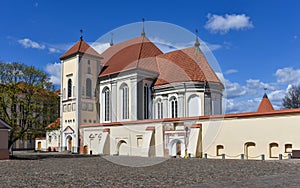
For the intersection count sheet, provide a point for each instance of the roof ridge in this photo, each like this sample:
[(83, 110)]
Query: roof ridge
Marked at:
[(140, 52), (79, 45)]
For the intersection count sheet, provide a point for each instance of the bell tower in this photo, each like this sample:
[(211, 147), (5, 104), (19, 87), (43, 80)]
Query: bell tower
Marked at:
[(80, 67)]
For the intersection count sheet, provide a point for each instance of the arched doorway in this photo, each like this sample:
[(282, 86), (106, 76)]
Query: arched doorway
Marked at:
[(69, 143), (176, 148), (85, 149), (39, 146), (123, 148)]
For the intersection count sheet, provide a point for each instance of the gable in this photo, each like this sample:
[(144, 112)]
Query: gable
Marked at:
[(68, 130), (4, 125)]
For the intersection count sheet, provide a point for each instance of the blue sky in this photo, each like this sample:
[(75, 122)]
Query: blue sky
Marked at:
[(256, 42)]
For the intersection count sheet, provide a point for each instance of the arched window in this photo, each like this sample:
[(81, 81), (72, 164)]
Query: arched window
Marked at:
[(249, 149), (124, 96), (220, 150), (173, 107), (146, 101), (159, 109), (69, 88), (274, 153), (288, 148), (194, 106), (106, 104), (88, 85)]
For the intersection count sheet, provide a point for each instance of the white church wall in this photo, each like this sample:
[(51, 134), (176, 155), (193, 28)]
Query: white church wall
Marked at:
[(128, 135), (159, 140), (234, 133), (193, 142), (53, 140), (193, 104)]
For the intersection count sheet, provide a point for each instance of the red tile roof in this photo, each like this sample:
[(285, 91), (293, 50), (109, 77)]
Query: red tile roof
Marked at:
[(54, 125), (184, 65), (138, 52), (178, 66), (265, 105), (80, 47)]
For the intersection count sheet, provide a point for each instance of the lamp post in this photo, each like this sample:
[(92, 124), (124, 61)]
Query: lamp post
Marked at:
[(186, 142)]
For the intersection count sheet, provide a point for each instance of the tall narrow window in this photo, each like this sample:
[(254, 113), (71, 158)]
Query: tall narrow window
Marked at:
[(146, 101), (159, 109), (173, 104), (69, 88), (88, 85), (106, 103), (124, 102)]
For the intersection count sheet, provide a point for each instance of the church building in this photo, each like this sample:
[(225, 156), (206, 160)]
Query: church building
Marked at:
[(135, 100)]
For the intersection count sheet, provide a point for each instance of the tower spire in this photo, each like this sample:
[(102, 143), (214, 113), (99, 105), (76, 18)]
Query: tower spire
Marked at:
[(265, 94), (111, 39), (143, 30), (197, 43), (81, 31)]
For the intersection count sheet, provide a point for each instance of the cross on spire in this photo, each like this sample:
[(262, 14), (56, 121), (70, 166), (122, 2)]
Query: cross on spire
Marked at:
[(265, 94), (143, 30), (81, 31), (197, 43)]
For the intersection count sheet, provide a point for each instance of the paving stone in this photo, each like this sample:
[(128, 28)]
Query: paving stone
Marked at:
[(67, 170)]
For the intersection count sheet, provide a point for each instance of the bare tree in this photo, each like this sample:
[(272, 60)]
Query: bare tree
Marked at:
[(292, 97)]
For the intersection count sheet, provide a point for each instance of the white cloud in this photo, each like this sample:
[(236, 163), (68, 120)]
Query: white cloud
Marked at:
[(167, 46), (288, 75), (234, 89), (238, 106), (276, 98), (231, 71), (256, 86), (246, 97), (222, 24), (53, 50), (54, 70), (27, 43), (100, 47), (205, 46)]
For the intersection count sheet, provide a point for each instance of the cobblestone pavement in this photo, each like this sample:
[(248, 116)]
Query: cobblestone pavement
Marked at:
[(66, 170)]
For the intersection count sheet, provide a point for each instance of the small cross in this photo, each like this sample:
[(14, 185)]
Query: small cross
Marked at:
[(81, 31)]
